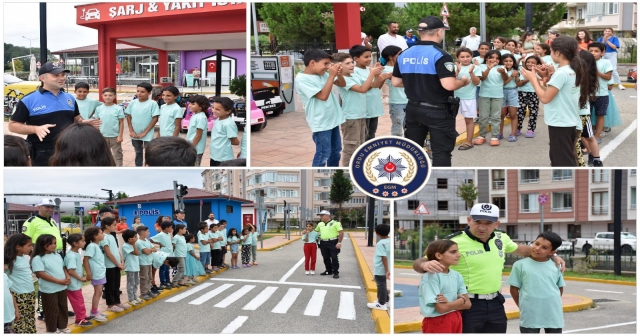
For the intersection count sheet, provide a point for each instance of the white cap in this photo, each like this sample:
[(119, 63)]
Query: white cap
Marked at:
[(46, 202), (363, 35), (324, 212), (485, 211)]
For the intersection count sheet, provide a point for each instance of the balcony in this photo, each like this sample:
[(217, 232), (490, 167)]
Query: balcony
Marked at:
[(498, 184), (530, 181), (600, 210), (529, 210), (562, 209), (503, 213)]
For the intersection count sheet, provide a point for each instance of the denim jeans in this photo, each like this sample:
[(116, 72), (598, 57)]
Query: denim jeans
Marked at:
[(613, 58), (328, 148), (164, 275), (397, 113), (139, 146)]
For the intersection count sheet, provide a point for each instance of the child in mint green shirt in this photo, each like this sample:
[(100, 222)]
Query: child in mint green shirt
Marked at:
[(381, 266), (362, 59), (397, 98), (86, 105), (197, 132), (142, 115), (536, 287), (170, 113), (224, 133), (216, 251), (131, 265), (112, 127), (180, 252)]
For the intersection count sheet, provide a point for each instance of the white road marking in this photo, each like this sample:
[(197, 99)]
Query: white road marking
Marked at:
[(411, 274), (287, 301), (314, 307), (235, 296), (260, 299), (615, 142), (290, 272), (234, 325), (287, 283), (600, 327), (210, 295), (189, 292), (603, 291), (347, 308)]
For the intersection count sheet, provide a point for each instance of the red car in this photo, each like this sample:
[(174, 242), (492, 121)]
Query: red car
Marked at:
[(631, 76)]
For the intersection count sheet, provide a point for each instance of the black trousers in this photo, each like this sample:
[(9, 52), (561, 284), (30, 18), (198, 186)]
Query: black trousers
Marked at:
[(524, 330), (40, 156), (196, 80), (485, 317), (562, 146), (372, 127), (112, 287), (213, 163), (223, 251), (216, 258), (330, 255), (440, 124)]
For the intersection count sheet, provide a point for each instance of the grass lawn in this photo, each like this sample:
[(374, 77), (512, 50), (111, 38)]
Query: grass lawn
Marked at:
[(403, 263), (265, 237)]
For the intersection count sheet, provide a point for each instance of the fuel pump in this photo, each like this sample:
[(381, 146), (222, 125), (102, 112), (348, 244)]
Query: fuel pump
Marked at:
[(272, 83)]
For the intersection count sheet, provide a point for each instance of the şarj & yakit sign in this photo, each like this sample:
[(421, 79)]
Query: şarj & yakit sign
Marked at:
[(102, 12)]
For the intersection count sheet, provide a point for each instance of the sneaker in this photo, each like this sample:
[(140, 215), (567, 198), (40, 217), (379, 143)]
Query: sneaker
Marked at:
[(133, 303), (326, 273), (499, 136), (147, 296), (512, 138), (599, 141), (248, 265), (336, 276), (115, 309), (518, 133), (64, 331), (215, 269), (154, 288), (306, 273), (494, 142), (313, 272), (620, 86), (530, 134), (590, 162), (84, 323), (244, 265), (606, 129), (98, 318), (208, 271), (123, 306), (479, 140), (597, 163), (193, 282), (376, 305), (89, 318)]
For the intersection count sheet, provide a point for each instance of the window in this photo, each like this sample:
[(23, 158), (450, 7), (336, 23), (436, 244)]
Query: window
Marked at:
[(574, 231), (287, 193), (529, 203), (632, 203), (529, 176), (258, 178), (290, 178), (443, 205), (442, 183), (316, 196), (325, 182), (223, 190), (501, 203), (600, 176), (269, 177), (497, 176), (512, 231), (316, 210), (323, 170), (413, 204), (562, 175), (547, 227), (633, 172), (580, 14), (610, 8), (271, 192), (561, 202), (468, 181), (356, 200), (600, 203), (229, 209)]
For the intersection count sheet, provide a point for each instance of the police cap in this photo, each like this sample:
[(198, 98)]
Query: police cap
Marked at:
[(430, 23)]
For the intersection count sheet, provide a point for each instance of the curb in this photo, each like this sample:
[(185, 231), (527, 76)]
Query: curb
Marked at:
[(612, 282), (279, 245), (417, 325), (112, 316), (403, 266), (381, 318)]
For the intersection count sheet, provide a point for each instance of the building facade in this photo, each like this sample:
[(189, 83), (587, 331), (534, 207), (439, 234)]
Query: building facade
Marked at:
[(596, 16)]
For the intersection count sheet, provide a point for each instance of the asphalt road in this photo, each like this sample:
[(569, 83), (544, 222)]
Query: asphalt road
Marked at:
[(273, 297), (618, 148)]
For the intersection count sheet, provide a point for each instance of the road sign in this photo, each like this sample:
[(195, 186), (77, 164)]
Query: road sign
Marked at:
[(362, 9), (57, 201), (421, 210), (80, 210), (542, 199), (445, 10), (139, 206), (446, 23)]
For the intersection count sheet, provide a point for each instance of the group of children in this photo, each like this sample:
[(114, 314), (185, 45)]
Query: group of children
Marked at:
[(61, 278), (573, 84)]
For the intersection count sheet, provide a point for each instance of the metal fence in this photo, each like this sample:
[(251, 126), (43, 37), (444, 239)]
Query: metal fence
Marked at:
[(628, 54)]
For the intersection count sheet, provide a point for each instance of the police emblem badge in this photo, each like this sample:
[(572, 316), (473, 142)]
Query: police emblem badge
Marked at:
[(390, 167), (69, 102), (450, 66)]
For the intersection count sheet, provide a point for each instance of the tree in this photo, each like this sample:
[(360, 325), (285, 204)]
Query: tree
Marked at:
[(468, 192), (121, 195), (126, 67), (341, 190), (18, 65)]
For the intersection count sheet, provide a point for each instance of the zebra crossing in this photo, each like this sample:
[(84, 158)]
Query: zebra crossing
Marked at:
[(230, 295)]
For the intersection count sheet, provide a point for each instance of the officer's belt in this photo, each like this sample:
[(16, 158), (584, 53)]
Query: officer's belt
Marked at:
[(483, 296), (425, 104), (329, 239)]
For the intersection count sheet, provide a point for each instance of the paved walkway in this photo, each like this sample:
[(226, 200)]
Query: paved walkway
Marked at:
[(367, 253)]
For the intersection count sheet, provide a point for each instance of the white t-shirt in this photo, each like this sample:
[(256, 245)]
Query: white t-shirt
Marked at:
[(471, 42), (209, 222), (363, 36), (387, 40)]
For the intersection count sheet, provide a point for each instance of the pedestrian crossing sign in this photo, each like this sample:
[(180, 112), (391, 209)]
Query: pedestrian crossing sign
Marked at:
[(421, 210), (445, 10)]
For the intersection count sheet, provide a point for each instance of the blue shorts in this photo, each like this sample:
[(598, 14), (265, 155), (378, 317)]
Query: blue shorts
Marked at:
[(600, 105), (234, 248), (510, 98)]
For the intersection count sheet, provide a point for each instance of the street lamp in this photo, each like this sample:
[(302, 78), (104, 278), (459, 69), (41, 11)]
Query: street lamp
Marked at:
[(33, 39)]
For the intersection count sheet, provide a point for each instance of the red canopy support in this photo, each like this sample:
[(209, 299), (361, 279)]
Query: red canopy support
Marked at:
[(347, 23)]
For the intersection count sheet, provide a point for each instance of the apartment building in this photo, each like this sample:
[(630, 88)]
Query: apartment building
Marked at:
[(596, 16), (307, 189)]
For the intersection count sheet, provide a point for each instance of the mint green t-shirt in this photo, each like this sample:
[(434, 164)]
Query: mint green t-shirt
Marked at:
[(527, 87), (547, 59), (110, 117), (87, 106), (110, 241), (181, 246), (189, 248), (321, 115), (492, 85), (512, 83), (232, 240), (198, 121), (21, 276), (604, 66), (159, 258), (96, 261), (382, 250), (562, 110), (539, 290), (141, 115), (9, 309), (449, 285), (223, 235), (73, 261), (131, 261), (168, 116), (396, 94), (203, 247), (216, 245), (313, 236), (354, 104), (373, 95), (468, 91), (479, 59), (254, 238), (248, 241), (144, 259), (243, 146), (53, 265), (220, 146), (165, 240)]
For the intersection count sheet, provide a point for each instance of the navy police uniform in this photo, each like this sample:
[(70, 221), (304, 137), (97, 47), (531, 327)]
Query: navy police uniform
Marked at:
[(431, 108)]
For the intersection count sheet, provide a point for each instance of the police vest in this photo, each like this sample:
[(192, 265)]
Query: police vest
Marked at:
[(36, 226), (329, 230)]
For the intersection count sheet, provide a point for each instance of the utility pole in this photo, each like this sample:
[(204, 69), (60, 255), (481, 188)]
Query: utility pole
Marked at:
[(43, 33), (617, 222), (528, 16), (483, 24)]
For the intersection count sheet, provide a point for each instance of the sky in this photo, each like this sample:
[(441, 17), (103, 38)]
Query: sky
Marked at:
[(62, 31)]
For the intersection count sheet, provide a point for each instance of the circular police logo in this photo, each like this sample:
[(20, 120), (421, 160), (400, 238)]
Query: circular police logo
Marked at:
[(486, 207), (390, 167), (70, 102), (499, 244), (24, 228)]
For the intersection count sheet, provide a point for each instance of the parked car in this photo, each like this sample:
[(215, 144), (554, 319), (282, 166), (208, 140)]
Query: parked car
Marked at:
[(632, 75), (69, 228), (187, 116), (604, 241)]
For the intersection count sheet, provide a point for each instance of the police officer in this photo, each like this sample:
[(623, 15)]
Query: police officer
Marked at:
[(482, 250), (429, 78), (44, 113), (40, 224), (331, 235)]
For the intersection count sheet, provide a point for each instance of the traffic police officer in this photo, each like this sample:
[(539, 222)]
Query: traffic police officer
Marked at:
[(44, 113), (428, 75), (40, 224), (331, 235), (482, 253)]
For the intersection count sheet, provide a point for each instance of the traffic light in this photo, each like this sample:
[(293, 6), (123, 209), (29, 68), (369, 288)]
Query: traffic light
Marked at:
[(184, 190), (110, 194)]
